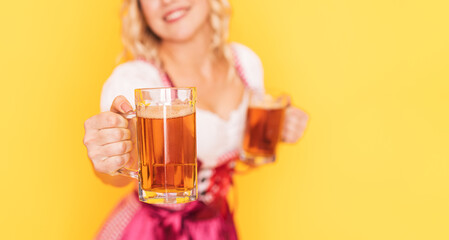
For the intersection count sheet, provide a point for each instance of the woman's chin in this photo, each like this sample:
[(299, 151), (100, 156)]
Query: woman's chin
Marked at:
[(182, 32), (179, 37)]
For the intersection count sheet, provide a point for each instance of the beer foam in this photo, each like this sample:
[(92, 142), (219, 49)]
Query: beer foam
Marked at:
[(170, 111), (267, 102), (267, 105)]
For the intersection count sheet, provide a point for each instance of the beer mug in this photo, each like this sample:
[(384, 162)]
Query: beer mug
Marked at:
[(166, 142), (263, 128)]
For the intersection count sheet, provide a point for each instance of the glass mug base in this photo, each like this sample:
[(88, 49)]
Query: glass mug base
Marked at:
[(256, 160), (160, 197)]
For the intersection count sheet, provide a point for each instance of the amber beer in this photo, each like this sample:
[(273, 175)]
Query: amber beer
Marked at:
[(263, 130), (264, 120), (167, 149)]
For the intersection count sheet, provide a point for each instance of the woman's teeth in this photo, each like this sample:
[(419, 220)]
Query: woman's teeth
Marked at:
[(174, 15)]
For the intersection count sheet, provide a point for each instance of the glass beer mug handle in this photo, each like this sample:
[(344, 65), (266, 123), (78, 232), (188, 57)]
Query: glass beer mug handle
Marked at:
[(126, 171)]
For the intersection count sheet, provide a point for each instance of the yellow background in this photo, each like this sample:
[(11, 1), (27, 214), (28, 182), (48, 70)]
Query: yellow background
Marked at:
[(373, 75)]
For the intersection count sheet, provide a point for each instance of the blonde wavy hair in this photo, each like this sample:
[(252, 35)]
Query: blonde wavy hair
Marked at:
[(141, 42)]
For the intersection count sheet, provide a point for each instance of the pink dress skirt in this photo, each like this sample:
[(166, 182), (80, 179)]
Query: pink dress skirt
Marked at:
[(133, 220)]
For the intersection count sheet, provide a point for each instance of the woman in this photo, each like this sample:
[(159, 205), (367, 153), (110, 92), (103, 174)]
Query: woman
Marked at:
[(179, 43)]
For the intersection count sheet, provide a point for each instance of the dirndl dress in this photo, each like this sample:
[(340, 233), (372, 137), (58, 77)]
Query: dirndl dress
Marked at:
[(209, 218)]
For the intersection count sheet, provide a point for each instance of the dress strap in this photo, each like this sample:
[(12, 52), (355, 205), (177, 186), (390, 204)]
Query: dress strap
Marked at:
[(239, 68), (166, 78)]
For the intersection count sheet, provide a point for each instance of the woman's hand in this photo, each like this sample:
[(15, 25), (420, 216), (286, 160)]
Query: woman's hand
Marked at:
[(108, 139), (295, 123)]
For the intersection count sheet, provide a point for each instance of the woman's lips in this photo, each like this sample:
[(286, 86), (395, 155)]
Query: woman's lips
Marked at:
[(175, 15)]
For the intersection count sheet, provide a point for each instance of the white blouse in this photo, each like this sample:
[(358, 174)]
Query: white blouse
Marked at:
[(216, 137)]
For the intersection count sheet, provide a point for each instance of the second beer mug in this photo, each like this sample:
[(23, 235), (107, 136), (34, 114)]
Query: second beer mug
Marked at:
[(166, 140), (263, 128)]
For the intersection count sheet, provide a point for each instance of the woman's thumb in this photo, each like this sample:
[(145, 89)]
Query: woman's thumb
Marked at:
[(121, 105)]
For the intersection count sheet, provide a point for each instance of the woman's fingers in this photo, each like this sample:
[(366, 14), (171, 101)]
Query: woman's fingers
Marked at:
[(112, 135), (294, 125), (115, 149), (296, 113), (107, 137), (292, 136), (110, 165), (105, 120), (114, 154)]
